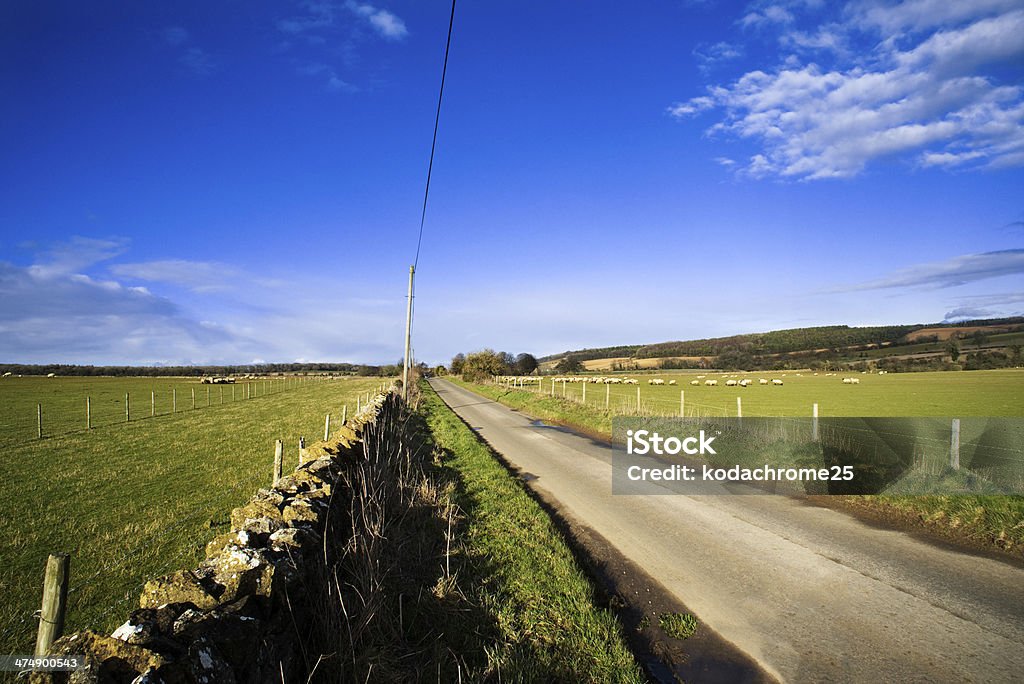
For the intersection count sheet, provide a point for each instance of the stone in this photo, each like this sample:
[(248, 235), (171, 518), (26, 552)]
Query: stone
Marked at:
[(180, 587)]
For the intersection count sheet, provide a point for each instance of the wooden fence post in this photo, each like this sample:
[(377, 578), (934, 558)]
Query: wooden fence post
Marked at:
[(682, 403), (193, 398), (278, 460), (344, 414), (584, 392), (152, 403), (954, 445), (638, 399), (39, 419), (127, 408), (327, 427), (207, 396), (55, 599), (88, 413), (174, 400), (607, 395), (814, 424), (302, 450), (357, 403)]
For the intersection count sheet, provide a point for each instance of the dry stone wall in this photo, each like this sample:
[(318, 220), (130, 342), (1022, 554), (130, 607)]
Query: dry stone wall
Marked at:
[(240, 616)]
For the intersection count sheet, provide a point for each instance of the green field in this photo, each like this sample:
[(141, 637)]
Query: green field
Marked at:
[(954, 394), (132, 501), (64, 408), (986, 521)]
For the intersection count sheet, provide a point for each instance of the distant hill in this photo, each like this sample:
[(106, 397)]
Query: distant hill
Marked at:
[(799, 346)]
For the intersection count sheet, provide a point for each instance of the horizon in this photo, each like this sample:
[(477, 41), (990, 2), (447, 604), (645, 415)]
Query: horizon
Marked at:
[(193, 185)]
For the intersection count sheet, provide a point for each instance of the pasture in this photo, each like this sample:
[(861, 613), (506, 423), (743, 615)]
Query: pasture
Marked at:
[(131, 501), (954, 394)]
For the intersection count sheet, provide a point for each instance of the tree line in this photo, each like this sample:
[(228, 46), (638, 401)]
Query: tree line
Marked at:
[(487, 363)]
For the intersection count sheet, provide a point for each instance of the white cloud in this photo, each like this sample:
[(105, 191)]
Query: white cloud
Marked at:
[(918, 15), (197, 276), (73, 306), (383, 22), (332, 81), (953, 272), (937, 102)]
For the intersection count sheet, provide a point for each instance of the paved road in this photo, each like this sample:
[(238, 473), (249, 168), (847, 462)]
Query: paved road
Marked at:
[(810, 593)]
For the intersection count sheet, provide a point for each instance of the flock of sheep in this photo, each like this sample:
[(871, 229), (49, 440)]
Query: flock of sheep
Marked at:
[(602, 380)]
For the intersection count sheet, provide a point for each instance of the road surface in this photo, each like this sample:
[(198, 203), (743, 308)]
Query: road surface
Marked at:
[(809, 593)]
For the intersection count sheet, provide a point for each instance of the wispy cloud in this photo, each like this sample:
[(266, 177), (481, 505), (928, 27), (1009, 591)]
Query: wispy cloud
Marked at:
[(332, 80), (197, 276), (935, 101), (382, 21), (174, 35), (952, 272), (326, 29), (190, 56), (77, 303), (710, 56), (70, 257)]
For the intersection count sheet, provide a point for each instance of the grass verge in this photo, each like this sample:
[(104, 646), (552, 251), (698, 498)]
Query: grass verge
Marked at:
[(517, 567), (980, 521)]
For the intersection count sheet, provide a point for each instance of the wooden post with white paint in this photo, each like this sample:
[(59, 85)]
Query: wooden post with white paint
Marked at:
[(193, 398), (55, 599), (638, 399), (127, 408), (682, 403), (584, 391), (327, 427), (278, 460), (954, 445), (814, 424), (88, 413), (174, 401), (152, 403), (302, 450), (344, 414), (607, 395), (39, 419)]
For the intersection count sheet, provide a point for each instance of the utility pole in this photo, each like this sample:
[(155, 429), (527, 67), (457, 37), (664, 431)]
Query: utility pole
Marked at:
[(408, 337)]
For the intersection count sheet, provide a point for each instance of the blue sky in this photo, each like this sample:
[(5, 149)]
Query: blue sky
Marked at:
[(231, 182)]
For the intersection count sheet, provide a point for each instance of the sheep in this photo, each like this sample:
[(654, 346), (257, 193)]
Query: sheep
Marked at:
[(731, 383), (851, 381), (745, 382), (762, 381), (656, 381), (710, 383), (671, 382), (695, 382), (776, 381), (8, 374)]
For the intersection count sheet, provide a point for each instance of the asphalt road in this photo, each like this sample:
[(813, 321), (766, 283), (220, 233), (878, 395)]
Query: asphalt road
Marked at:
[(811, 594)]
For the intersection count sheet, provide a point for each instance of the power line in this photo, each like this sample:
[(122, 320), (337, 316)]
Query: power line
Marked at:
[(433, 144)]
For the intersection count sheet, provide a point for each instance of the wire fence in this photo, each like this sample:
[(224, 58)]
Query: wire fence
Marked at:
[(38, 408), (994, 445), (128, 515)]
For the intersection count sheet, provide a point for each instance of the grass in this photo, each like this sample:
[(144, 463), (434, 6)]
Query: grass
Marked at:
[(678, 625), (987, 521), (63, 400), (519, 569), (133, 501), (959, 394)]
